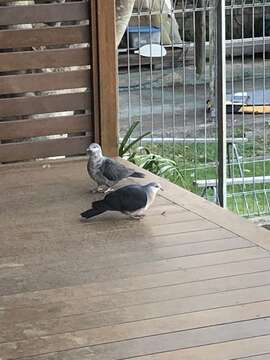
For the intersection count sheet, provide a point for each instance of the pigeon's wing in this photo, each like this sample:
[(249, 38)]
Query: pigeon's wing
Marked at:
[(126, 199), (114, 171)]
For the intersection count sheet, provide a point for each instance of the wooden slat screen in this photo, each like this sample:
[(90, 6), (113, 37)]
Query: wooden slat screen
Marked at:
[(45, 79)]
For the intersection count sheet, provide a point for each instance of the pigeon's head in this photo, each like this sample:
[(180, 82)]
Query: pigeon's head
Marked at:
[(154, 187), (94, 150)]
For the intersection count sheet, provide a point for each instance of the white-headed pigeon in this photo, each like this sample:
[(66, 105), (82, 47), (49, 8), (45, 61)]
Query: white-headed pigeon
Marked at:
[(107, 172), (132, 200)]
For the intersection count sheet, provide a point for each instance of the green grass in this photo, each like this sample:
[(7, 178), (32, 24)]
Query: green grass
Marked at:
[(198, 162)]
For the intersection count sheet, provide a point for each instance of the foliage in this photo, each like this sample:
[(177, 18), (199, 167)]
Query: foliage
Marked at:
[(127, 145), (154, 163), (160, 166), (183, 164)]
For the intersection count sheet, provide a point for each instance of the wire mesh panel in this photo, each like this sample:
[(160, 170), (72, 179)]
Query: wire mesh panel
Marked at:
[(248, 100), (168, 81)]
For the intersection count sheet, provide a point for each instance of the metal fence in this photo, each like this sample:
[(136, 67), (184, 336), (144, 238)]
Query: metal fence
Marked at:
[(171, 80)]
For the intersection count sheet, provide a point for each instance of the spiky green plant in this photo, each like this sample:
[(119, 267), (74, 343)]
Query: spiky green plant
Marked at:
[(127, 145), (160, 166)]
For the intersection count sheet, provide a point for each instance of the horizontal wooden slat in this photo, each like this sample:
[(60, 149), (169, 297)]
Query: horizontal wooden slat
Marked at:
[(43, 127), (42, 149), (45, 81), (43, 37), (30, 105), (39, 59), (29, 14)]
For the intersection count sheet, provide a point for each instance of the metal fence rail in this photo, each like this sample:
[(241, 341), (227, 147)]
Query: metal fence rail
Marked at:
[(178, 97)]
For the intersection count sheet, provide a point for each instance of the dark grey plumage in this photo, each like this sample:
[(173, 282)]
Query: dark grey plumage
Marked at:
[(107, 172), (132, 200)]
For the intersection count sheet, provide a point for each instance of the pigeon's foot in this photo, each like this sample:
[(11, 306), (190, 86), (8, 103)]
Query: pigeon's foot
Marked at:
[(93, 191), (137, 217), (108, 190), (100, 189)]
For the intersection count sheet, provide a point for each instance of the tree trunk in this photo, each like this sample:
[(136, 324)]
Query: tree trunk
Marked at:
[(123, 13)]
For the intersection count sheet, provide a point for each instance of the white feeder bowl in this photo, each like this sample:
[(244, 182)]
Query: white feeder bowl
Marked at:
[(152, 50)]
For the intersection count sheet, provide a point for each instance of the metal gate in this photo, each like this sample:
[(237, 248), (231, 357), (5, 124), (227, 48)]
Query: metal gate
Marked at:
[(52, 98), (195, 74)]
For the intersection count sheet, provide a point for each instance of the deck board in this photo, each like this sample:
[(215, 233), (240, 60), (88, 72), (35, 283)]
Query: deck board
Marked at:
[(190, 281)]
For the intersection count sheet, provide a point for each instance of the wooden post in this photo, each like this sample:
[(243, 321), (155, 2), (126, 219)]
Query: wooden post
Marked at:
[(200, 36), (104, 75)]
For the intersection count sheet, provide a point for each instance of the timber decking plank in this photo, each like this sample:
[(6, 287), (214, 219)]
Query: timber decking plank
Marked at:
[(77, 270), (133, 257), (140, 346), (143, 300), (255, 357), (83, 324), (113, 228), (138, 283), (230, 350), (109, 246), (173, 307), (114, 303), (31, 246)]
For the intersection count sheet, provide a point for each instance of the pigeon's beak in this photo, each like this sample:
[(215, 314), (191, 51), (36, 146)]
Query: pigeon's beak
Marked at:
[(161, 188)]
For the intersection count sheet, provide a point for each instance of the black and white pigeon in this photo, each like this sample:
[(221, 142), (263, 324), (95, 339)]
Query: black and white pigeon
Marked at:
[(132, 200), (107, 172)]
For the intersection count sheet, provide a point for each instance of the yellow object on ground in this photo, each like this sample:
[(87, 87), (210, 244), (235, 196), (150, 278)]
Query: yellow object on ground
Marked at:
[(258, 109)]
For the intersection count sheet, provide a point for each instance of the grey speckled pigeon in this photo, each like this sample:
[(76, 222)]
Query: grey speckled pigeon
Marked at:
[(132, 200), (106, 172)]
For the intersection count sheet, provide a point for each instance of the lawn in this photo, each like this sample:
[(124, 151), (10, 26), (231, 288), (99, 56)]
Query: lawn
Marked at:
[(198, 162)]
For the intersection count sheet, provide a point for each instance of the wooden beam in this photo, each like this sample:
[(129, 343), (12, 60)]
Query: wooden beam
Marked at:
[(104, 63)]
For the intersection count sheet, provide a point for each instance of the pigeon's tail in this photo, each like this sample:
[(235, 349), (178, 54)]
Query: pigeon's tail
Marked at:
[(91, 213), (137, 174), (98, 207)]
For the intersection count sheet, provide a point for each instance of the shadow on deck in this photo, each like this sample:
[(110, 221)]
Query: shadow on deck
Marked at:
[(190, 281)]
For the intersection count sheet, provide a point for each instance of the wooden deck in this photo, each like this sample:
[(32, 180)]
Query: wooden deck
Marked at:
[(190, 281)]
